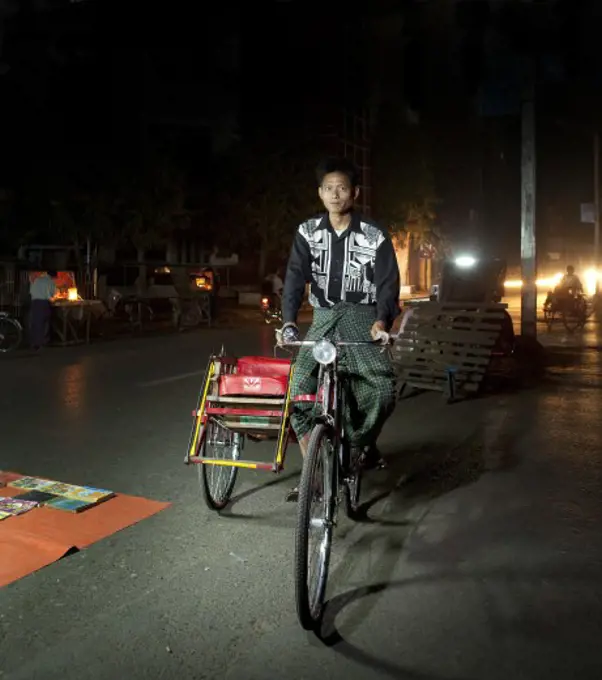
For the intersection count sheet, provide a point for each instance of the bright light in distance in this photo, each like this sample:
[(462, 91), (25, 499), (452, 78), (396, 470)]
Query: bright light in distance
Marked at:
[(590, 278), (552, 282), (466, 261), (540, 283)]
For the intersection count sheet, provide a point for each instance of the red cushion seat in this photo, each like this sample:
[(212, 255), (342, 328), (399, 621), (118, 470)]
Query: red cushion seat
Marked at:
[(263, 366)]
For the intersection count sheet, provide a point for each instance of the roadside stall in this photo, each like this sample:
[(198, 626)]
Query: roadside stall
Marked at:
[(71, 315)]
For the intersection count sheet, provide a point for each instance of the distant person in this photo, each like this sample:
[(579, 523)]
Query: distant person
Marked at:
[(276, 283), (570, 283), (42, 290), (213, 276)]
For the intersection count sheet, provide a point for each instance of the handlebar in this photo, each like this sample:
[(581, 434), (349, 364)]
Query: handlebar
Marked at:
[(336, 343)]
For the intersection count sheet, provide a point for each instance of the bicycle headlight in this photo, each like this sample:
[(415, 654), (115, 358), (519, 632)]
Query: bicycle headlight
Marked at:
[(324, 352)]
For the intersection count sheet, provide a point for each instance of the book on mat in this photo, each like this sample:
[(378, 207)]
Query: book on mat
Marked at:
[(68, 504), (88, 494), (40, 497), (15, 506), (31, 483), (60, 488), (4, 515)]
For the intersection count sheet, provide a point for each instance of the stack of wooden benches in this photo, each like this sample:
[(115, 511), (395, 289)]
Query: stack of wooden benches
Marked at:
[(447, 347)]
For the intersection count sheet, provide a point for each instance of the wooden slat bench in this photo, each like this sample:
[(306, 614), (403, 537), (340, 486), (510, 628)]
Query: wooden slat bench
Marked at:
[(447, 346)]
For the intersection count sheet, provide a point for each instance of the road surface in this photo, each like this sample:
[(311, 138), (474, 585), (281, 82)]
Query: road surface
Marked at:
[(482, 558)]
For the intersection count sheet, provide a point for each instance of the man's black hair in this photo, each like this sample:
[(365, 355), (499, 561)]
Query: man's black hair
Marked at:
[(342, 165)]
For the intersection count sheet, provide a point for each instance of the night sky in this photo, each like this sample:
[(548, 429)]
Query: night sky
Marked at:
[(105, 80)]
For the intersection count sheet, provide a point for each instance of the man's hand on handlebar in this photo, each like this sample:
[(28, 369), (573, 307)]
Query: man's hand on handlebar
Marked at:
[(379, 334), (288, 333)]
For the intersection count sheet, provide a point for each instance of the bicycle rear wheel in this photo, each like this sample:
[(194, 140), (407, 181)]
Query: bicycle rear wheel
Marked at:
[(316, 492), (11, 334), (218, 480)]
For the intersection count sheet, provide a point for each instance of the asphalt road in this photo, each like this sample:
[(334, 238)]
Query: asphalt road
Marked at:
[(482, 558)]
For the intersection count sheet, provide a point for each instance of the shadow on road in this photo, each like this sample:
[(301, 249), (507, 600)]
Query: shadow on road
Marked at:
[(331, 636), (281, 517)]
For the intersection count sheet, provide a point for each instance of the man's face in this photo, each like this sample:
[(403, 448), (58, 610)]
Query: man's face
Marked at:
[(337, 194)]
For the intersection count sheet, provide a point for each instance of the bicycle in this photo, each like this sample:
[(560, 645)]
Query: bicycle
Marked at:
[(11, 332), (574, 311), (330, 468)]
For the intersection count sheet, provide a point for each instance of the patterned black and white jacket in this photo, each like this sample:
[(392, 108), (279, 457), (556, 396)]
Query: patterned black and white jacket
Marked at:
[(358, 266)]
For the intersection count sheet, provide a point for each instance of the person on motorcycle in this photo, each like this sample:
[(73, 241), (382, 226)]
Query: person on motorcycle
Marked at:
[(275, 283), (351, 267), (271, 297)]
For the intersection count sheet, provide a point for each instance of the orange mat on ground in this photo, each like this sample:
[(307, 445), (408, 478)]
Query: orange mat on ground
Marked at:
[(41, 536)]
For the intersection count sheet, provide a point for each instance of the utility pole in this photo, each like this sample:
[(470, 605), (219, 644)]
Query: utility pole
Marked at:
[(596, 199), (527, 240)]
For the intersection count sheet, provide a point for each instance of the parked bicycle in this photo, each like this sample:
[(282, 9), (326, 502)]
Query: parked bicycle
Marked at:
[(11, 332)]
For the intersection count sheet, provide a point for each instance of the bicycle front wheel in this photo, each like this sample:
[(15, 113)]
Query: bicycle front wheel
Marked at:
[(11, 334), (315, 516)]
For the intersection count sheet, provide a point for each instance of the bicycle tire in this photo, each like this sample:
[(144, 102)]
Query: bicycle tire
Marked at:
[(215, 499), (310, 601), (11, 329)]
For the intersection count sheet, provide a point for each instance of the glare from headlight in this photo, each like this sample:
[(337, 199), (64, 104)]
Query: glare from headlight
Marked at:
[(465, 261), (324, 352)]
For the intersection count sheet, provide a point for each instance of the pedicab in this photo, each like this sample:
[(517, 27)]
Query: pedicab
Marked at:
[(243, 399), (246, 399)]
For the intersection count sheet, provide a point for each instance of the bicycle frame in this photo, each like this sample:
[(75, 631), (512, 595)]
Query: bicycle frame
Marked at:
[(330, 399)]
